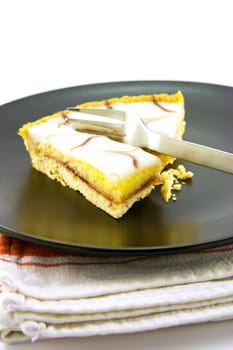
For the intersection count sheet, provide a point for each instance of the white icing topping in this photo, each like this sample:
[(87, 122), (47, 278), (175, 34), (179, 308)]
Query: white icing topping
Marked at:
[(116, 160), (162, 118)]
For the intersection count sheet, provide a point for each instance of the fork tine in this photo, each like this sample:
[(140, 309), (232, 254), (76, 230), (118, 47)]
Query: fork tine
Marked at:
[(97, 121), (109, 113)]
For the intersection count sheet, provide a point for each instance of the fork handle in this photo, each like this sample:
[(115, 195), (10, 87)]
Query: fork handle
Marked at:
[(191, 152)]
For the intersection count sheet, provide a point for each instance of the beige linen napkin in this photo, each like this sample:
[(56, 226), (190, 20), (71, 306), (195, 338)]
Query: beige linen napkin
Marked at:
[(47, 293)]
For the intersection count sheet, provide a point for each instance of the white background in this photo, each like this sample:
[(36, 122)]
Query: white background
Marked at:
[(51, 44)]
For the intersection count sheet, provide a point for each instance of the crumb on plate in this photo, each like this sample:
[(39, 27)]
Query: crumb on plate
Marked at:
[(172, 180)]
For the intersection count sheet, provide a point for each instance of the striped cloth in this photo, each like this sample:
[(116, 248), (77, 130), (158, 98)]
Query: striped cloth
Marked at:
[(46, 293)]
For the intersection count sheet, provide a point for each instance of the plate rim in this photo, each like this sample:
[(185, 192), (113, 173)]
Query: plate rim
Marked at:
[(112, 251), (189, 82)]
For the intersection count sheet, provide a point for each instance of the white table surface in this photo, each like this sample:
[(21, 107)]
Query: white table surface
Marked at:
[(52, 44)]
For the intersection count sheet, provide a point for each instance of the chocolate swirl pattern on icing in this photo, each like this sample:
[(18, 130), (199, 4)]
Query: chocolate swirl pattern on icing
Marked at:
[(162, 107), (154, 119), (85, 142), (65, 119), (107, 104), (89, 138), (127, 154), (123, 153)]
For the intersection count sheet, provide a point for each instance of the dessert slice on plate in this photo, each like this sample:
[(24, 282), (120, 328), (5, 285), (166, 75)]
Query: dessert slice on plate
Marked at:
[(110, 174)]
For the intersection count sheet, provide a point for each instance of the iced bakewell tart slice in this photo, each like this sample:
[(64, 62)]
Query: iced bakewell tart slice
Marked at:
[(110, 174)]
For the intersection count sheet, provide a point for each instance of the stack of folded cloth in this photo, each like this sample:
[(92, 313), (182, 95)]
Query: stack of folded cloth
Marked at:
[(47, 293)]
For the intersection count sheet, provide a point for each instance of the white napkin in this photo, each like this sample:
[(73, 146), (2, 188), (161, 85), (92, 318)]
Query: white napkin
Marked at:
[(51, 294)]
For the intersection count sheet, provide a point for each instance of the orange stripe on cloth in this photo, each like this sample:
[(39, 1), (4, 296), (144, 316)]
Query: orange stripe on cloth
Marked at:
[(19, 248), (75, 263)]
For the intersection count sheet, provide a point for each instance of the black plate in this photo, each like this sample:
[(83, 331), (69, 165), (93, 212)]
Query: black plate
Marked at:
[(35, 208)]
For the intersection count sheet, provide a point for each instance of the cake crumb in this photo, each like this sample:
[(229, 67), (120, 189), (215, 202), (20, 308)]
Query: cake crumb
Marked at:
[(172, 180)]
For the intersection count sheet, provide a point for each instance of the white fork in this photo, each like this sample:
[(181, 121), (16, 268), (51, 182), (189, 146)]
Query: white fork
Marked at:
[(128, 127)]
